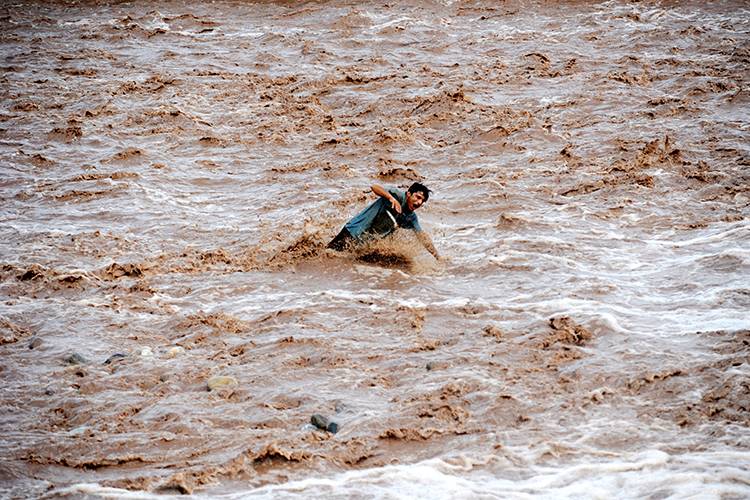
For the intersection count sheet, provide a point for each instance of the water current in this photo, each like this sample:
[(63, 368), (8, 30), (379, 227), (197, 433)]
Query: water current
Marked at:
[(172, 171)]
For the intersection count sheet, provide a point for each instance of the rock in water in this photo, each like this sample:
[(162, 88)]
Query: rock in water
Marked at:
[(319, 421), (175, 351), (115, 357), (221, 381), (74, 359), (35, 342), (323, 423)]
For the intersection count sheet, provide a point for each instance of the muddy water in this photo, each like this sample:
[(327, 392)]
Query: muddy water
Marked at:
[(170, 176)]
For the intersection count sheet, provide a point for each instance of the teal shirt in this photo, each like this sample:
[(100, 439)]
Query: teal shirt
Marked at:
[(379, 218)]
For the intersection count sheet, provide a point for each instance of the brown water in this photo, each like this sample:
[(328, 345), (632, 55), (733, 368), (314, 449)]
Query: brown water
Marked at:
[(171, 173)]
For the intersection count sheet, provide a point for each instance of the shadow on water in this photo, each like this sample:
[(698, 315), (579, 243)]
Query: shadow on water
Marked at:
[(387, 259)]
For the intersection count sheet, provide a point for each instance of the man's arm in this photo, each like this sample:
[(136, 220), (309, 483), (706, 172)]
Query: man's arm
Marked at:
[(426, 242), (383, 193)]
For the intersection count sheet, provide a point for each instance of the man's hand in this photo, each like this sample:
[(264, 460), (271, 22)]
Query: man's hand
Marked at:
[(395, 205), (383, 193), (426, 242)]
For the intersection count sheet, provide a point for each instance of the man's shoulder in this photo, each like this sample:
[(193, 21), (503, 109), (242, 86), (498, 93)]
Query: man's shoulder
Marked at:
[(397, 192)]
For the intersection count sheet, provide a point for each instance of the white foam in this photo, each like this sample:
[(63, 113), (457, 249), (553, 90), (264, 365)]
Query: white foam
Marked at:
[(378, 27), (636, 475), (742, 231)]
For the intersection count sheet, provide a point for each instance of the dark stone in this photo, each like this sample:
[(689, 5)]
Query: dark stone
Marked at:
[(319, 421), (323, 423), (115, 357), (74, 359), (49, 391), (430, 366), (35, 342)]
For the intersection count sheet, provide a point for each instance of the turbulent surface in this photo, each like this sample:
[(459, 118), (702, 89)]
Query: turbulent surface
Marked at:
[(171, 174)]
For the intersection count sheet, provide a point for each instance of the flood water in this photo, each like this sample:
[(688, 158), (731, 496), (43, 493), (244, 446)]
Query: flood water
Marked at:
[(171, 173)]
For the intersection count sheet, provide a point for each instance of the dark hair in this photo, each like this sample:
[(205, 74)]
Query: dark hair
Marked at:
[(418, 187)]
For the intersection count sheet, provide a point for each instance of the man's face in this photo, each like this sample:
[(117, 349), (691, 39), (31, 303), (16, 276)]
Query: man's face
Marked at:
[(414, 200)]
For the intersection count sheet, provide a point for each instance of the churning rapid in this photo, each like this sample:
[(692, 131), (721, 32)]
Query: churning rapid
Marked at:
[(170, 319)]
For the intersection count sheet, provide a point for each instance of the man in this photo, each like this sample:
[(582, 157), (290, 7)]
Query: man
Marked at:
[(392, 209)]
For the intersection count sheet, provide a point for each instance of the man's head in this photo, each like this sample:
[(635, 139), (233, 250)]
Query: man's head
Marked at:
[(417, 195)]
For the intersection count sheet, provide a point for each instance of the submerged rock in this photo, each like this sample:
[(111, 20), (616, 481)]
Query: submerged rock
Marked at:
[(436, 365), (35, 342), (115, 357), (175, 351), (323, 423), (221, 381), (340, 407), (74, 359)]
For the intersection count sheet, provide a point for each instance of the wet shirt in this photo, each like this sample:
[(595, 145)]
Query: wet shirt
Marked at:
[(379, 218)]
